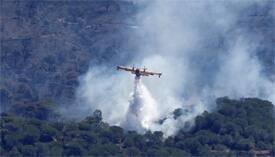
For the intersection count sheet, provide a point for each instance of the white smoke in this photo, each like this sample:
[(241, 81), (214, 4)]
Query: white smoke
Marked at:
[(240, 75), (105, 90), (202, 53)]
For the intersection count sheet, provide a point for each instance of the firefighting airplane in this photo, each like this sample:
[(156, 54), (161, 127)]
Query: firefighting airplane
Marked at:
[(138, 72)]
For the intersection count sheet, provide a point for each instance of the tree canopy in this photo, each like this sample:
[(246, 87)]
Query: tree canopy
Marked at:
[(237, 127)]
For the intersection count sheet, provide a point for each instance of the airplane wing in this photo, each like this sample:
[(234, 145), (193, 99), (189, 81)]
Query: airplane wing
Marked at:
[(147, 73), (125, 68), (138, 72)]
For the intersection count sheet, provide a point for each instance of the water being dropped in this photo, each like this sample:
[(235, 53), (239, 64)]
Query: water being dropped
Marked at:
[(142, 111)]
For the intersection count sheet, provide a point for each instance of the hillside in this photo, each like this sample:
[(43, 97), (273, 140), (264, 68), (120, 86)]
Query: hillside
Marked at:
[(49, 49), (238, 127), (47, 45)]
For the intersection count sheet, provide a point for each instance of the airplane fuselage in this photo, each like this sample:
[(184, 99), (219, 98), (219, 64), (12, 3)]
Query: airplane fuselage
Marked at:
[(137, 73)]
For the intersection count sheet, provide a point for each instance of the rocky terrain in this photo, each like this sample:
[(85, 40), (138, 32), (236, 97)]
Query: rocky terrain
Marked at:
[(47, 45)]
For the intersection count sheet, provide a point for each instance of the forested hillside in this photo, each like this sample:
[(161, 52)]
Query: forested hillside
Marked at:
[(238, 127), (47, 46)]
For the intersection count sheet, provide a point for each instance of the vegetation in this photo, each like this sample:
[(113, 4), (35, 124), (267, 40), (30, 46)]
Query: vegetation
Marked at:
[(238, 127)]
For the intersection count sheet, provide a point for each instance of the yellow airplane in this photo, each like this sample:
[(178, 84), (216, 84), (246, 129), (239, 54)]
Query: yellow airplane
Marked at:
[(138, 72)]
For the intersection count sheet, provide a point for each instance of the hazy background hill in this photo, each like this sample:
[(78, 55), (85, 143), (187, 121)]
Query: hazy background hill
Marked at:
[(46, 45)]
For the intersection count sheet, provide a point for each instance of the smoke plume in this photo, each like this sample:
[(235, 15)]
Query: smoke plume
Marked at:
[(201, 49)]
